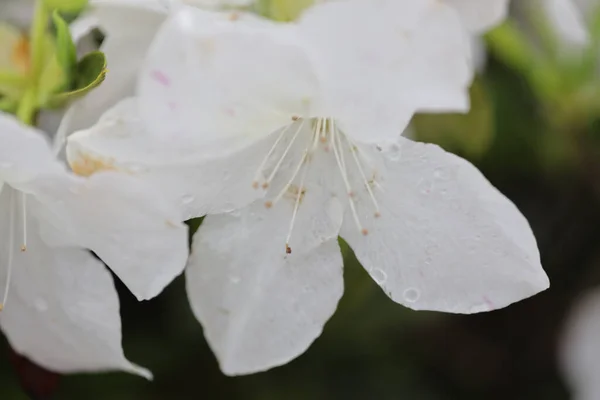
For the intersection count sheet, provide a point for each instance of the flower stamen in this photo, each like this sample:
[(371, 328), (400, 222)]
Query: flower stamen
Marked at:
[(353, 151), (339, 158), (255, 183), (283, 156)]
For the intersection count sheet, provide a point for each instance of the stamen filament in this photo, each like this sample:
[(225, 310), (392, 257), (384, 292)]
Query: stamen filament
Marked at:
[(285, 153), (342, 167), (288, 249), (307, 151), (269, 154), (353, 149)]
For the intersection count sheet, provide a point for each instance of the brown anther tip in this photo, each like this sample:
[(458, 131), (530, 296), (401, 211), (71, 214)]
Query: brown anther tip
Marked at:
[(234, 16), (23, 248), (268, 204), (323, 139), (295, 118), (265, 185), (365, 231), (255, 185), (288, 249), (377, 214)]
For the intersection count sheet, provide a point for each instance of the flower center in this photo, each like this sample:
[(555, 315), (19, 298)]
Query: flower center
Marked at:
[(12, 217), (324, 136)]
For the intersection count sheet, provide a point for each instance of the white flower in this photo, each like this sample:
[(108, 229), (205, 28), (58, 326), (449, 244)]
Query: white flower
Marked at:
[(293, 131), (580, 348), (567, 19), (60, 307), (130, 26)]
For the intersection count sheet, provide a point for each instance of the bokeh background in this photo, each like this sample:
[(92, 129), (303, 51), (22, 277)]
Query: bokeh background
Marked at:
[(534, 131)]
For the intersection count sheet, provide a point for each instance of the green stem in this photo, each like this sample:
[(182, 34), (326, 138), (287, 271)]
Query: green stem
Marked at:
[(28, 105), (39, 26), (27, 109)]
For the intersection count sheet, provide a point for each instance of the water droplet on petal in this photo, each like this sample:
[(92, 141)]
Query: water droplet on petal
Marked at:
[(187, 199), (411, 295), (40, 304), (379, 276)]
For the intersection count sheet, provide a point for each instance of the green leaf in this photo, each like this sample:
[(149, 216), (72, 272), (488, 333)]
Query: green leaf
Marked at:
[(12, 84), (69, 6), (8, 105), (66, 53), (91, 72)]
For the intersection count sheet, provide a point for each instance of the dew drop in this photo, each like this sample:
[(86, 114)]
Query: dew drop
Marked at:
[(411, 295), (187, 199), (379, 276), (40, 304)]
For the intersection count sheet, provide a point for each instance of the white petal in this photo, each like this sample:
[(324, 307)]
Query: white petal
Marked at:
[(129, 32), (261, 307), (374, 76), (62, 309), (446, 239), (123, 220), (480, 15), (24, 152), (567, 19), (182, 169), (213, 77), (580, 348)]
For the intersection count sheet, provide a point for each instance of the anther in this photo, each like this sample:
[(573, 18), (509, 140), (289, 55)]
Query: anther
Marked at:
[(234, 16), (295, 118), (268, 204), (23, 248), (255, 185), (365, 231), (265, 185), (323, 139), (377, 214), (288, 249)]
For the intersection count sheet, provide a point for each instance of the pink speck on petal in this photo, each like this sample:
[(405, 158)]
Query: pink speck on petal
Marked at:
[(489, 303), (161, 77)]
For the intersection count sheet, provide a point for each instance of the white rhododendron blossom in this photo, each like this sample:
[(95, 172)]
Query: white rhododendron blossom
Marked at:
[(580, 348), (54, 292), (289, 136), (568, 19), (130, 26)]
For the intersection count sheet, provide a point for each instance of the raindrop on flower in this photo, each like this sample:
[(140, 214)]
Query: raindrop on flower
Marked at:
[(379, 276), (411, 295)]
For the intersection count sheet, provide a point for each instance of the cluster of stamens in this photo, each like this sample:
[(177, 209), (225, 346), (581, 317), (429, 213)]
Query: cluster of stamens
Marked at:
[(11, 241), (325, 132)]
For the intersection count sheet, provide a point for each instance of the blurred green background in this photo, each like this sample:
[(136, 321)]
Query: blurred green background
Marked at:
[(534, 131)]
